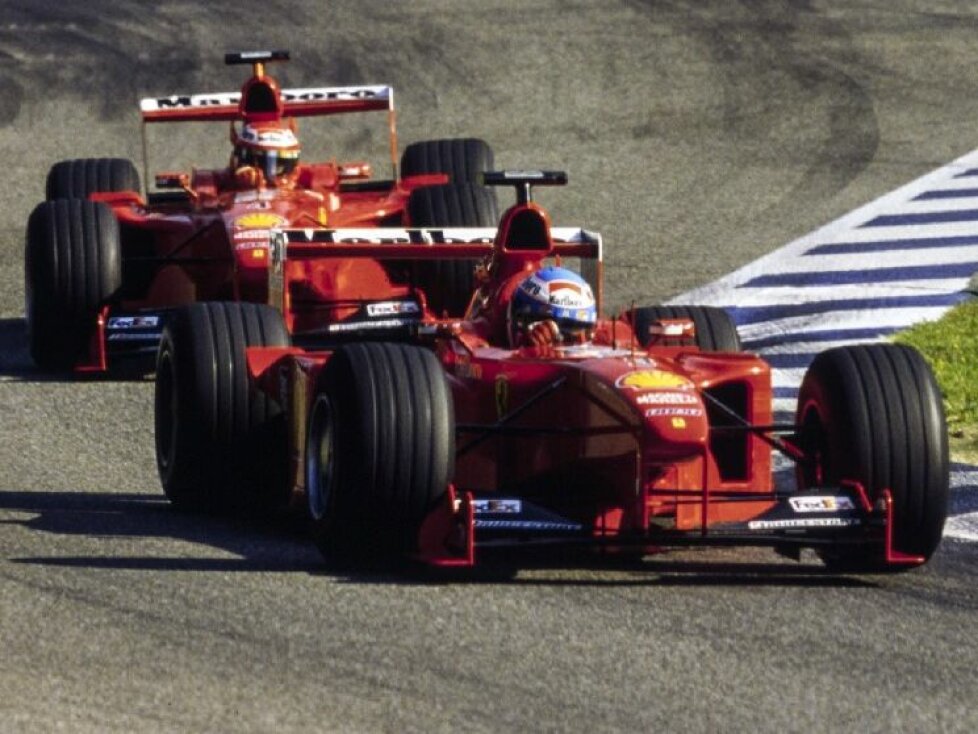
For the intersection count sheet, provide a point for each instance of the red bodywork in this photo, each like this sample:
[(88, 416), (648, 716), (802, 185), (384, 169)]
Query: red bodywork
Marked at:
[(606, 443), (209, 240)]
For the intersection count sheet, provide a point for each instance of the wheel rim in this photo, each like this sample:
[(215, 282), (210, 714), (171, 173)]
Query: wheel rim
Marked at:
[(320, 457)]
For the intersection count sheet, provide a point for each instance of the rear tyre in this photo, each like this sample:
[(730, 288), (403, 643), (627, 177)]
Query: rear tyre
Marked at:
[(715, 329), (463, 159), (449, 284), (220, 444), (72, 266), (873, 414), (76, 179), (380, 450)]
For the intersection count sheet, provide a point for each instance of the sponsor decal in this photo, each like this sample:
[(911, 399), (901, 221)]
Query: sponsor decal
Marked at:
[(228, 99), (502, 395), (389, 237), (260, 235), (330, 94), (497, 506), (278, 138), (133, 322), (821, 504), (196, 100), (543, 525), (808, 522), (351, 326), (679, 423), (391, 308), (684, 412), (667, 398), (260, 220), (653, 379)]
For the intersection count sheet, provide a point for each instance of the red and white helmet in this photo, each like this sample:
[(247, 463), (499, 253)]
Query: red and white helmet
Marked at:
[(270, 147)]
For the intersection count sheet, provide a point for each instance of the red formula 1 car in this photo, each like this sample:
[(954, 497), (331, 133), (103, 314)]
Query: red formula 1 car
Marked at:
[(439, 436), (104, 265)]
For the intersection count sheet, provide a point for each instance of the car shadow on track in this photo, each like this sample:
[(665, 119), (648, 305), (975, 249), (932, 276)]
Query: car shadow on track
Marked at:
[(280, 545), (580, 567), (17, 366), (269, 545)]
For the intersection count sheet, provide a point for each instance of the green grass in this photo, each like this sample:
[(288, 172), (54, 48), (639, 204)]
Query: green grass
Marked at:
[(951, 347)]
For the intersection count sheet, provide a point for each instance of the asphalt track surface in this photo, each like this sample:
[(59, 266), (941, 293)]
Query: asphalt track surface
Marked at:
[(698, 136)]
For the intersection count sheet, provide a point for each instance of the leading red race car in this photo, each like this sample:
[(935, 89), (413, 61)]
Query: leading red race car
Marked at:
[(104, 265), (532, 421)]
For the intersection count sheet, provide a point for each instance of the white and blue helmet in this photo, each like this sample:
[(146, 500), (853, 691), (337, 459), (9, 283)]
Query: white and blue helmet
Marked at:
[(554, 293)]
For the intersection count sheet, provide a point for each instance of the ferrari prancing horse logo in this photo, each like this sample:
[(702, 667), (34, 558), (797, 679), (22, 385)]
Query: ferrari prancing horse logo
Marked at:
[(502, 395)]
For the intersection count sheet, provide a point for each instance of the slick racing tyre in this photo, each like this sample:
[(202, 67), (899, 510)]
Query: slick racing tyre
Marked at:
[(449, 284), (715, 329), (463, 159), (72, 265), (873, 414), (76, 179), (380, 450), (221, 444)]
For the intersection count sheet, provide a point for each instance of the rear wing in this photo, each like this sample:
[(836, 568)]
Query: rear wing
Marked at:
[(577, 248), (306, 102), (224, 106)]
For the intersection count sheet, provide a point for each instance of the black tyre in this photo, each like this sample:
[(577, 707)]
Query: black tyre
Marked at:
[(463, 159), (449, 284), (72, 266), (76, 179), (873, 414), (380, 449), (220, 444), (715, 329)]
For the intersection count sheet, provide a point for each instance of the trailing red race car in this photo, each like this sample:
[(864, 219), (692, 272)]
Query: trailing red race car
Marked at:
[(104, 264), (533, 420)]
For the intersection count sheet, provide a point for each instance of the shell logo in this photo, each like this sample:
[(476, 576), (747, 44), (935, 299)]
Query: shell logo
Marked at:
[(648, 379), (260, 220)]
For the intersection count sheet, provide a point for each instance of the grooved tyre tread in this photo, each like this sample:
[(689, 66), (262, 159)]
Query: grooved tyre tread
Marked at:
[(873, 414), (394, 450), (463, 159), (715, 329), (449, 284), (72, 266), (76, 179), (220, 444)]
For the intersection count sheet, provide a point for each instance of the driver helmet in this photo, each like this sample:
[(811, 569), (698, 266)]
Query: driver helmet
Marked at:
[(557, 294), (270, 147)]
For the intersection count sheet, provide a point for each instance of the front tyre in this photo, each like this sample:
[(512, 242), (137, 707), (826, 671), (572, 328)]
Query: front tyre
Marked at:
[(379, 450), (873, 414), (221, 444), (72, 267)]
